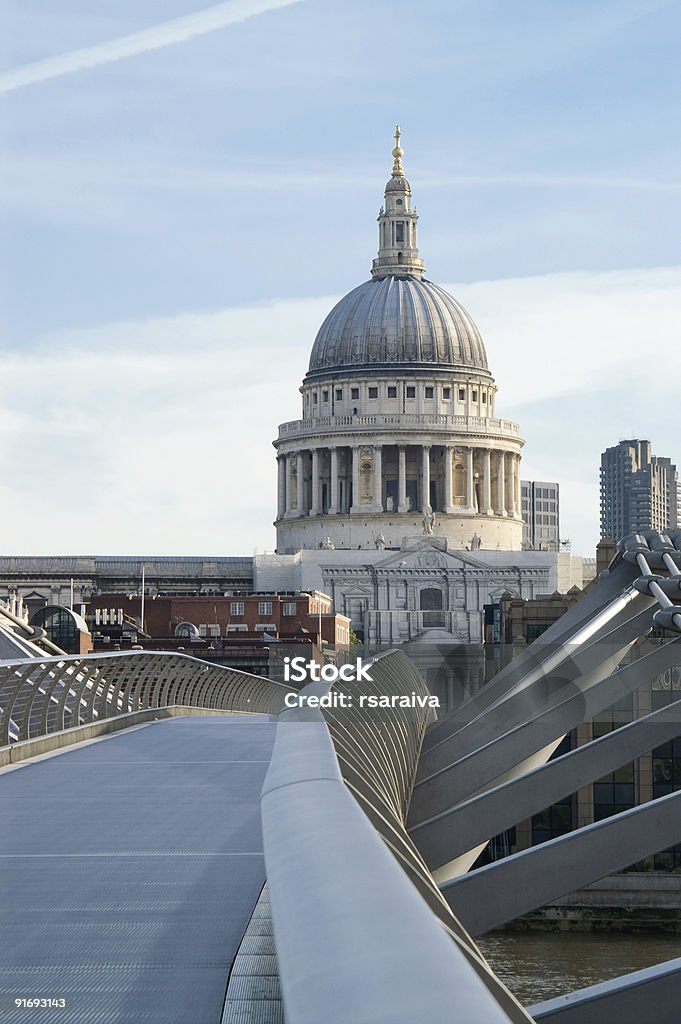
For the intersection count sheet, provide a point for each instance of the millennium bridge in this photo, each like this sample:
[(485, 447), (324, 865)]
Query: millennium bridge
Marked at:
[(179, 845)]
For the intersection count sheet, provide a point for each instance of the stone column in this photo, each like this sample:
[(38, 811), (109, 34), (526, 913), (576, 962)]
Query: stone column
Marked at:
[(501, 484), (301, 485), (281, 486), (516, 459), (378, 477), (487, 483), (425, 476), (355, 479), (314, 497), (402, 479), (288, 459), (512, 511), (449, 452), (470, 493), (333, 507)]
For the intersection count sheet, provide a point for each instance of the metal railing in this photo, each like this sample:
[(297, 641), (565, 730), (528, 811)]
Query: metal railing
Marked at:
[(39, 696), (354, 941)]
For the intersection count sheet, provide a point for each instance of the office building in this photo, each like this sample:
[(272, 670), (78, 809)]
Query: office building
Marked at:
[(539, 505), (639, 490)]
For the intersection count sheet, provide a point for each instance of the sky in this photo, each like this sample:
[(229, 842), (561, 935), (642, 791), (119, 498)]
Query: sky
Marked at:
[(189, 187)]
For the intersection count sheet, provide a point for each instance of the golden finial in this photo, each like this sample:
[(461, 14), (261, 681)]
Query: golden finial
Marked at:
[(398, 153)]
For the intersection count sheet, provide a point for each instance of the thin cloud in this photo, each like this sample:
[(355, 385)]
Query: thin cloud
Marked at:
[(532, 180), (168, 33)]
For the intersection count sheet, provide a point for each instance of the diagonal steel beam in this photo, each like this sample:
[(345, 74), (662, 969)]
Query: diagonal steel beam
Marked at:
[(464, 827), (473, 773), (500, 892)]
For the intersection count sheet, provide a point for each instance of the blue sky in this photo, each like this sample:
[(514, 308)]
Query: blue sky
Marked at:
[(176, 222)]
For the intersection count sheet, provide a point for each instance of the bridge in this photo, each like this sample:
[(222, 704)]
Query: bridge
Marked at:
[(181, 845)]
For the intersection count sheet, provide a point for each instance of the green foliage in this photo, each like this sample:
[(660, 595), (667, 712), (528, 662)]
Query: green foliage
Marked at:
[(355, 644)]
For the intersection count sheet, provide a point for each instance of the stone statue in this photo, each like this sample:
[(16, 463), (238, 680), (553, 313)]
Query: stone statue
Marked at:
[(475, 542), (380, 542), (428, 519), (327, 544)]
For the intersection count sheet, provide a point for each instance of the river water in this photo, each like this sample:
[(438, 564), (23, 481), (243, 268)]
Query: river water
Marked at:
[(540, 965)]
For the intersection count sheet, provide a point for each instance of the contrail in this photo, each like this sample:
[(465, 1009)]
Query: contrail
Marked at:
[(166, 34)]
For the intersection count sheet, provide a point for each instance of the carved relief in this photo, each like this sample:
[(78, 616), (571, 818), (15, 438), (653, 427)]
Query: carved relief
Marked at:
[(430, 560)]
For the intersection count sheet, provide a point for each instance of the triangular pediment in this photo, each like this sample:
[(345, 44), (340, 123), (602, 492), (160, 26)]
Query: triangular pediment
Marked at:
[(429, 556), (505, 591), (358, 590)]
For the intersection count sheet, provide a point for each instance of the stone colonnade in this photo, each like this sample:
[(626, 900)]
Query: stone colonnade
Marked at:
[(374, 478)]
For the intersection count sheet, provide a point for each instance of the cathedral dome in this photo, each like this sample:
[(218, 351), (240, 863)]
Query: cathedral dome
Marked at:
[(398, 322)]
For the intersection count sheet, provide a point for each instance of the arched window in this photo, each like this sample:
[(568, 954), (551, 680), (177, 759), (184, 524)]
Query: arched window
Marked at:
[(459, 481)]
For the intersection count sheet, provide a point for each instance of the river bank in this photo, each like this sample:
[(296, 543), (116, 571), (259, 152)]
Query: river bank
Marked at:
[(636, 903)]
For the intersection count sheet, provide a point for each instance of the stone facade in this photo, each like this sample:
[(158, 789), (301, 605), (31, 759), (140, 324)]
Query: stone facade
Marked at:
[(395, 597)]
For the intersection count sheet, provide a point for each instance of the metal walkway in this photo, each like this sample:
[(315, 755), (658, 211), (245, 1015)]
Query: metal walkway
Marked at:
[(129, 869)]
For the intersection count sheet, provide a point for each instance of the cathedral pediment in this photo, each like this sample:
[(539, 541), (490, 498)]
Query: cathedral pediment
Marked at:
[(496, 595), (358, 590), (429, 555)]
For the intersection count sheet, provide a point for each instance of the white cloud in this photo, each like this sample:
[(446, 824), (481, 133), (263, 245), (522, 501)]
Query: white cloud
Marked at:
[(168, 33), (155, 436), (578, 332)]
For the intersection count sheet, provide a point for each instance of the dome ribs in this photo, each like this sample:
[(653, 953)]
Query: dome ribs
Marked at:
[(411, 350), (399, 321)]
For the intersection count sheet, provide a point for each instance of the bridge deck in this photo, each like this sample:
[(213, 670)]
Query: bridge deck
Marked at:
[(129, 869)]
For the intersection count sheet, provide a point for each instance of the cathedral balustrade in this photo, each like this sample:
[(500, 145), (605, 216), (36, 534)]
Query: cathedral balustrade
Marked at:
[(462, 424)]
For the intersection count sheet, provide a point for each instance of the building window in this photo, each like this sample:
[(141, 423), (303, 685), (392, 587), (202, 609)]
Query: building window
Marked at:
[(354, 394), (325, 395), (236, 608), (484, 398), (289, 608), (264, 607), (411, 391), (373, 392), (462, 394), (314, 397), (266, 627), (237, 629), (430, 392), (474, 396), (339, 394), (392, 391), (556, 820), (399, 231), (446, 394)]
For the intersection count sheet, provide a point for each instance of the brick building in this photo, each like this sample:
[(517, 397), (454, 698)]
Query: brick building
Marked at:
[(124, 618)]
